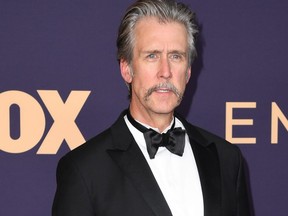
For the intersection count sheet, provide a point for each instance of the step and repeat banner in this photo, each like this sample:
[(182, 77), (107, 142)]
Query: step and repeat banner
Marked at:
[(60, 85)]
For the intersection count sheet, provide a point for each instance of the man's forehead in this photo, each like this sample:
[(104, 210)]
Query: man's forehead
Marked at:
[(155, 35)]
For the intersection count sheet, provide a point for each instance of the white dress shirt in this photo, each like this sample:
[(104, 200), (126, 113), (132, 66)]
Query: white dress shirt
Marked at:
[(176, 176)]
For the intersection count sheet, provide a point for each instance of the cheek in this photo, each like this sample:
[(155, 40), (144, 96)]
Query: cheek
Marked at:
[(144, 79), (182, 81), (140, 85)]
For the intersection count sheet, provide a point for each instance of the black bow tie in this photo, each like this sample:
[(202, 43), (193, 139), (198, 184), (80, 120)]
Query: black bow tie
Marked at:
[(173, 139)]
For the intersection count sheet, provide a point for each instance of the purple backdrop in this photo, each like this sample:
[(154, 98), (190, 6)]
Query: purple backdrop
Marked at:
[(69, 46)]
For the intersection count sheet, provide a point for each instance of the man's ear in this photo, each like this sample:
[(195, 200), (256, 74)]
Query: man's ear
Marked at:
[(125, 71), (188, 75)]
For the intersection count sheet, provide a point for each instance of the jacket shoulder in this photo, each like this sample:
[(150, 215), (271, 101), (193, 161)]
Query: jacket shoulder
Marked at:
[(91, 149)]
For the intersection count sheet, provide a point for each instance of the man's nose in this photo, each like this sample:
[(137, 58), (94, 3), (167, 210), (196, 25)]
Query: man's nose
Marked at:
[(164, 69)]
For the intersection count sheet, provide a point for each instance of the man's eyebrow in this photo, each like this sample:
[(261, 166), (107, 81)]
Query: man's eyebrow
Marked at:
[(151, 51), (183, 53), (169, 52)]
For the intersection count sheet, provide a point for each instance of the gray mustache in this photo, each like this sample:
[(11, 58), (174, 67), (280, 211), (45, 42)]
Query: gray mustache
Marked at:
[(169, 86)]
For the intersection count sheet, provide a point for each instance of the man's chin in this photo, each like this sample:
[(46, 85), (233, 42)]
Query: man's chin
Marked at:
[(164, 108)]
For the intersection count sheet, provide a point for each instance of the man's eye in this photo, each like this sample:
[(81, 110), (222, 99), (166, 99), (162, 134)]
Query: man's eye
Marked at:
[(176, 56), (151, 56)]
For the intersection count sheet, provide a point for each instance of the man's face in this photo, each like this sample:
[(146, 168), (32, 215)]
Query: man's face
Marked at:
[(159, 69)]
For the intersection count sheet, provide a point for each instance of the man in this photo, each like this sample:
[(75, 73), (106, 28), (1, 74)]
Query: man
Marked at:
[(130, 169)]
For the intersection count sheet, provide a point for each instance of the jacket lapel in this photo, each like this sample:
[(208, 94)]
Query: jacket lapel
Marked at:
[(126, 153)]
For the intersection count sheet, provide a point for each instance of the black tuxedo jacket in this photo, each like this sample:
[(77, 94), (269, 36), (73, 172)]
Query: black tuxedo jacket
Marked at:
[(108, 175)]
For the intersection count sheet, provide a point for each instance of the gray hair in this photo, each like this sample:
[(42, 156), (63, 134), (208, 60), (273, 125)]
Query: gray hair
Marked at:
[(165, 11)]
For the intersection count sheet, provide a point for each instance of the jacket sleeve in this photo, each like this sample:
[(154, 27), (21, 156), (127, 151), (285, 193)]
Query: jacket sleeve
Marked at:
[(72, 197)]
